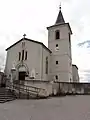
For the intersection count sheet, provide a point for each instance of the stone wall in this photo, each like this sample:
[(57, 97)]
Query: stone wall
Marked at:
[(40, 84), (70, 88)]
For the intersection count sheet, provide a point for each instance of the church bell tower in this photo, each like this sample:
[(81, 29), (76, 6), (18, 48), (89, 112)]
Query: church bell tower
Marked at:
[(59, 42)]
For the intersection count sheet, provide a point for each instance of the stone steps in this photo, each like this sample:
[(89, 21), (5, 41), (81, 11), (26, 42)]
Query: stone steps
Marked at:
[(6, 95)]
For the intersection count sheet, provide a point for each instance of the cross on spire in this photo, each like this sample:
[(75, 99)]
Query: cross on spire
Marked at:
[(24, 35), (60, 18), (60, 6)]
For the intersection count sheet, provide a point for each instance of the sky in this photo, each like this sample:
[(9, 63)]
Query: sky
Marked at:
[(33, 16)]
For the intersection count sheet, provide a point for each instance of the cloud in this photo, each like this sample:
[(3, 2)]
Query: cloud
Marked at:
[(82, 44), (84, 75)]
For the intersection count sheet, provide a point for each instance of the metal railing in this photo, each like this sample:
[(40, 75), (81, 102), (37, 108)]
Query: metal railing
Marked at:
[(25, 89)]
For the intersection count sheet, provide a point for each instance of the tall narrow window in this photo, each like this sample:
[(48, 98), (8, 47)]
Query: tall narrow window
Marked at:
[(22, 54), (46, 65), (19, 56), (57, 34), (56, 62), (56, 77), (56, 45), (26, 55)]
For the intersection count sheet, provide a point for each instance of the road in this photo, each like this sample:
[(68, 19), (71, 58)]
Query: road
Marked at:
[(59, 108)]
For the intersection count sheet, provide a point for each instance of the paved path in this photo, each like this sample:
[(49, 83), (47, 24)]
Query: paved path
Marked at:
[(62, 108)]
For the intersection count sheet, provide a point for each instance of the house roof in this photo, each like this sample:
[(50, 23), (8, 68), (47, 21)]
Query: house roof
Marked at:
[(60, 18), (30, 41)]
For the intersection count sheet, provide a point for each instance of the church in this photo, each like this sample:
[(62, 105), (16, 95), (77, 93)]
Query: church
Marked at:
[(33, 61)]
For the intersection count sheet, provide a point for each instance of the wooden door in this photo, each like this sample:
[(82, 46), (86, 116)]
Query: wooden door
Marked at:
[(22, 77)]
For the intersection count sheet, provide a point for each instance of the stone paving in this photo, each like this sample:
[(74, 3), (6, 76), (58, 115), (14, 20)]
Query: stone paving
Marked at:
[(60, 108)]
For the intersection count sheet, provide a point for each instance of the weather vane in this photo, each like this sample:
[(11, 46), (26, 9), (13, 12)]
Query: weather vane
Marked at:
[(24, 35)]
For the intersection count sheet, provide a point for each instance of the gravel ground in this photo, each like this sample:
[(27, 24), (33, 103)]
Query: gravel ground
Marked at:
[(60, 108)]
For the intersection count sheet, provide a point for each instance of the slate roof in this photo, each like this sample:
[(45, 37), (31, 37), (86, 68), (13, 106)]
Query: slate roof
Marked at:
[(75, 66), (60, 21), (60, 18), (30, 41)]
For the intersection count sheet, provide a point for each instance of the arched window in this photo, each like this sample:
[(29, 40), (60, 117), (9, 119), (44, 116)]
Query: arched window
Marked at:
[(19, 56), (22, 54), (57, 34), (46, 65), (56, 77), (26, 55), (56, 45), (56, 62)]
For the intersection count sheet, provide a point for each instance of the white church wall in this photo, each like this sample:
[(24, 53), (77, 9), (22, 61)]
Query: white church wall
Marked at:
[(45, 54), (36, 59), (62, 47), (33, 57), (12, 57), (62, 76), (63, 32), (63, 54), (62, 63)]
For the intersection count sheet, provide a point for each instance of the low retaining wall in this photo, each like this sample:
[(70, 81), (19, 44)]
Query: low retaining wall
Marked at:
[(40, 84), (59, 88), (70, 88)]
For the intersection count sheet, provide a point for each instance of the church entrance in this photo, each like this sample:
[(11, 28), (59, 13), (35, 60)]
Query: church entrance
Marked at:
[(22, 77)]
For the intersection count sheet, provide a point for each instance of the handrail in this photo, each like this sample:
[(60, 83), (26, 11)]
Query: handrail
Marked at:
[(29, 86), (25, 88), (15, 85)]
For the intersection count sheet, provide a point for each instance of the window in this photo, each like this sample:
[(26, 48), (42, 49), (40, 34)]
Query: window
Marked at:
[(26, 55), (19, 56), (22, 54), (56, 62), (56, 77), (56, 45), (46, 65), (57, 34), (70, 64)]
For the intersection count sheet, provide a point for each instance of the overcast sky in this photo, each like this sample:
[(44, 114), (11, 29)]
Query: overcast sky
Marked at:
[(33, 16)]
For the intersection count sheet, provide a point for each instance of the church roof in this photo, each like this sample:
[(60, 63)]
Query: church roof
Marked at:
[(60, 21), (60, 18), (30, 41), (75, 66)]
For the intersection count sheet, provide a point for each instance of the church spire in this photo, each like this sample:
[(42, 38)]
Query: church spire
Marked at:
[(60, 18)]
